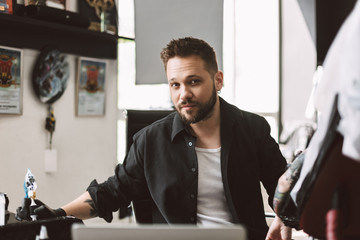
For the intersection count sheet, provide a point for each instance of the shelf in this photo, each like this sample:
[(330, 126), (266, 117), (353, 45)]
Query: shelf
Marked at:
[(26, 32)]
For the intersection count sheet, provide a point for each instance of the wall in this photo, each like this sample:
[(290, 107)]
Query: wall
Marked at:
[(86, 146)]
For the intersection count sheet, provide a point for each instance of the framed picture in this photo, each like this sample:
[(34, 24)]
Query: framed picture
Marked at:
[(6, 6), (90, 87), (11, 68)]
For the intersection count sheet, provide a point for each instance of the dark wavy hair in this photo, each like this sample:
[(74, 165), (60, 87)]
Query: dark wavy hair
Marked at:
[(189, 46)]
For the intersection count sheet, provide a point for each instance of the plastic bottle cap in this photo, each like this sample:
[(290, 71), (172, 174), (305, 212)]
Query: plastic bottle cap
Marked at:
[(43, 232)]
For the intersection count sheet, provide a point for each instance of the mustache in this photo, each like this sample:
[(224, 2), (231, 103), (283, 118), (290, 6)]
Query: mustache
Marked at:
[(187, 101)]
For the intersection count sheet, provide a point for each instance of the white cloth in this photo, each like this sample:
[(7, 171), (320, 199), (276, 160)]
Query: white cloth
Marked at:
[(212, 208), (341, 76)]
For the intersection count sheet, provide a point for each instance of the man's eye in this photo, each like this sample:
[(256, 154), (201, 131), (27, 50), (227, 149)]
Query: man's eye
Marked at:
[(174, 85), (195, 81)]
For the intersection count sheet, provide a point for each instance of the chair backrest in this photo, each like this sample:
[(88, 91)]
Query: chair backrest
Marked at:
[(135, 121), (138, 119)]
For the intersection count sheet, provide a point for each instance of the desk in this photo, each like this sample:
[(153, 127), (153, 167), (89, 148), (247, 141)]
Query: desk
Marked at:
[(57, 228)]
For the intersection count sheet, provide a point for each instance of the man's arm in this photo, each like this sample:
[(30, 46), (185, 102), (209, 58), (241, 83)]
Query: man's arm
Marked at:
[(82, 207)]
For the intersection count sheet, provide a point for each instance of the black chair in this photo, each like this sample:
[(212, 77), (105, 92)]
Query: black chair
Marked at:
[(135, 121), (138, 119)]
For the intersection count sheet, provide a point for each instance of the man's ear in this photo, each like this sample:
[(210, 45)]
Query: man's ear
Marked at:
[(219, 80)]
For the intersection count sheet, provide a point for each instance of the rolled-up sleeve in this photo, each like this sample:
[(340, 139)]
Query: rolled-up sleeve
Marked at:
[(127, 184)]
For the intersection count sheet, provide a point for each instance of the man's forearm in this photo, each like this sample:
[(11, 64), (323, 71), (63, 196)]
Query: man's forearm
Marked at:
[(82, 207)]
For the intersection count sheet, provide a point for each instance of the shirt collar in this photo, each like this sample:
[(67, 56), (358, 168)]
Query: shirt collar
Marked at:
[(226, 120), (226, 114), (177, 127)]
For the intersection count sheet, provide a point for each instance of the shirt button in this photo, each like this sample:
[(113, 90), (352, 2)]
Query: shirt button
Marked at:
[(192, 219), (190, 144), (192, 196), (193, 169)]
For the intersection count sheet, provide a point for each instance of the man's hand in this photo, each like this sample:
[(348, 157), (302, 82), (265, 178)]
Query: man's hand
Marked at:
[(41, 210), (278, 231), (23, 212), (45, 212)]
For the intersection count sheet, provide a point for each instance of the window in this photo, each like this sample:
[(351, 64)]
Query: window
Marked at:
[(251, 57)]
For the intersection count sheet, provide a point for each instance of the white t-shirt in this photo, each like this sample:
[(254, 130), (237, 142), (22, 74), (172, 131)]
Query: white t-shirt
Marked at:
[(212, 207)]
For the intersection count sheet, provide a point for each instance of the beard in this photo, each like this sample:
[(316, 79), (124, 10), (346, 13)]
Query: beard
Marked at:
[(204, 109)]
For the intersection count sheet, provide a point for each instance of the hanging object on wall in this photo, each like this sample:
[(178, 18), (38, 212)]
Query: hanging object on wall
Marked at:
[(50, 77), (50, 123)]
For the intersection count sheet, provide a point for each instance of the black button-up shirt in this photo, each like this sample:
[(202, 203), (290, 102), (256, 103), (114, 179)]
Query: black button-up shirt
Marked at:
[(161, 165)]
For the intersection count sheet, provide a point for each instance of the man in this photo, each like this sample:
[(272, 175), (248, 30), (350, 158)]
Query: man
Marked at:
[(201, 164)]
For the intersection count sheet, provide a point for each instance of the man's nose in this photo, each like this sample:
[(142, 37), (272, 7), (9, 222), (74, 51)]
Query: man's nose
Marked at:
[(185, 93)]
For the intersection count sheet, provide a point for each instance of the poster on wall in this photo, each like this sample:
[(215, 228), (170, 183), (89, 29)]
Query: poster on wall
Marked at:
[(11, 65), (90, 87), (6, 6)]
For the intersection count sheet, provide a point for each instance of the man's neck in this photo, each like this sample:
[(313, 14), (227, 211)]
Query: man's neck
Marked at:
[(208, 131)]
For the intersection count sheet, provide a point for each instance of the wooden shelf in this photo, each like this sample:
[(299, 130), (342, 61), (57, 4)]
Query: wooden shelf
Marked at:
[(27, 32)]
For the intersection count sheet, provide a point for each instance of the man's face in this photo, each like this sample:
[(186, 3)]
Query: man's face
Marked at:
[(192, 88)]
